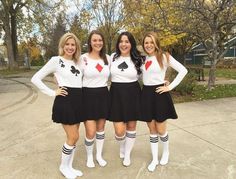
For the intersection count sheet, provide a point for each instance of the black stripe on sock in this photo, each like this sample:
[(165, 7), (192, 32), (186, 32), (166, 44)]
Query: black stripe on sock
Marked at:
[(165, 139), (119, 138), (130, 135), (153, 139), (66, 151), (100, 136), (88, 143)]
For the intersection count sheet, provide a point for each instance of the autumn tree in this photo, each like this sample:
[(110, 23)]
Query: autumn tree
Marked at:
[(107, 16), (154, 16), (30, 50), (211, 23), (11, 16)]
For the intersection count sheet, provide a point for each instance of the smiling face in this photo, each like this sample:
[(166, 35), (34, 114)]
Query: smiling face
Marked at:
[(124, 46), (149, 46), (96, 43), (69, 48)]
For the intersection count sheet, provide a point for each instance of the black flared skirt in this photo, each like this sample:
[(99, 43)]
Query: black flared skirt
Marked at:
[(68, 109), (156, 106), (95, 103), (125, 102)]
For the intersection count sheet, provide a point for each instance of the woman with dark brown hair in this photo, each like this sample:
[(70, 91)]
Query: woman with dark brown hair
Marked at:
[(95, 68), (125, 93)]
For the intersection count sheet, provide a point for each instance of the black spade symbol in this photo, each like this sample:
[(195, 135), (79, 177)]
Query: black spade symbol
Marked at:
[(123, 66), (74, 70)]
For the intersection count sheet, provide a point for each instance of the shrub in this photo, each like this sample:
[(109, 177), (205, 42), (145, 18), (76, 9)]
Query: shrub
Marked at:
[(187, 85), (37, 62)]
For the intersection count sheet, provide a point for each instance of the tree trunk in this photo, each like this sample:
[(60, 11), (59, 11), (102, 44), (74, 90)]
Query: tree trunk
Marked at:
[(212, 77), (11, 62), (10, 54), (14, 35), (213, 54), (109, 43)]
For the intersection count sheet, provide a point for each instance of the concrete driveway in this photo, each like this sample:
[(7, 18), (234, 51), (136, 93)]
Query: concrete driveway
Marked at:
[(202, 140)]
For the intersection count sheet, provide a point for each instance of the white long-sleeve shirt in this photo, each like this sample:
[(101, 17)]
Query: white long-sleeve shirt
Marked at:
[(95, 72), (123, 70), (154, 75), (66, 72)]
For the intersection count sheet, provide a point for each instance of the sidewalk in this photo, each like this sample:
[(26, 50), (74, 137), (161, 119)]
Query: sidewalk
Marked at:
[(202, 141), (219, 81)]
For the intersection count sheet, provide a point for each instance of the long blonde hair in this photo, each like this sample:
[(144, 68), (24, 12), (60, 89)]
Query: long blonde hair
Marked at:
[(62, 43), (158, 50)]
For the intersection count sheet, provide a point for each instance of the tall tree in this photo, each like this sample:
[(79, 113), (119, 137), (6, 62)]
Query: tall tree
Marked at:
[(29, 50), (58, 30), (78, 27), (212, 26), (108, 17), (11, 15), (9, 10), (151, 16)]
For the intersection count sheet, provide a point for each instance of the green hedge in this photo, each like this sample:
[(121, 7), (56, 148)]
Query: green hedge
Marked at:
[(37, 62), (187, 85)]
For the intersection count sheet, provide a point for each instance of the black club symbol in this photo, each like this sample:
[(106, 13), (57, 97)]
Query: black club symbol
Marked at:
[(74, 70)]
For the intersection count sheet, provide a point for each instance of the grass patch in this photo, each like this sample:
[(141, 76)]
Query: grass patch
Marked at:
[(6, 72), (222, 73), (201, 92), (12, 72)]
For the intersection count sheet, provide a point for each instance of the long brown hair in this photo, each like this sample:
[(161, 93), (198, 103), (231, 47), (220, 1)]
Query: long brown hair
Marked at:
[(135, 55), (158, 51), (62, 43), (102, 52)]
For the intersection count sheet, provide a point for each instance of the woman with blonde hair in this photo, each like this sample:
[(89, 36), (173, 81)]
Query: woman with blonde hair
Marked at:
[(156, 102), (67, 106)]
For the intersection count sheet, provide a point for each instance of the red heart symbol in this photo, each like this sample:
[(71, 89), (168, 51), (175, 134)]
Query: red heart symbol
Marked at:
[(148, 64)]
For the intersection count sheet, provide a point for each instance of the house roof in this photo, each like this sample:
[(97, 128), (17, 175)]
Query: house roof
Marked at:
[(230, 40), (200, 45)]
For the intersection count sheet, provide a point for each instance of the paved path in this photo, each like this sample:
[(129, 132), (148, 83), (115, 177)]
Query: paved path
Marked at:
[(219, 81), (202, 140)]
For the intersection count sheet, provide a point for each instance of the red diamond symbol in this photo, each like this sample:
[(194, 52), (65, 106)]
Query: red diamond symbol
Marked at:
[(99, 67)]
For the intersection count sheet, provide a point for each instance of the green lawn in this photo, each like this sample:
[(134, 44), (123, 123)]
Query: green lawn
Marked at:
[(200, 92), (223, 73), (6, 72)]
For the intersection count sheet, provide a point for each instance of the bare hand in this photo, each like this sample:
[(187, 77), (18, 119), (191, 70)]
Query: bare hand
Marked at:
[(162, 89), (61, 91)]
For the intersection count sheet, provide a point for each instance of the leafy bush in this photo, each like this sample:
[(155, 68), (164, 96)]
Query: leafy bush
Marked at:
[(187, 85), (37, 62)]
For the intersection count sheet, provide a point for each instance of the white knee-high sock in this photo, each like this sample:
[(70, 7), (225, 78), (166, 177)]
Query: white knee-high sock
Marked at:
[(165, 154), (129, 143), (100, 136), (65, 161), (121, 141), (89, 143), (154, 150), (76, 172)]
